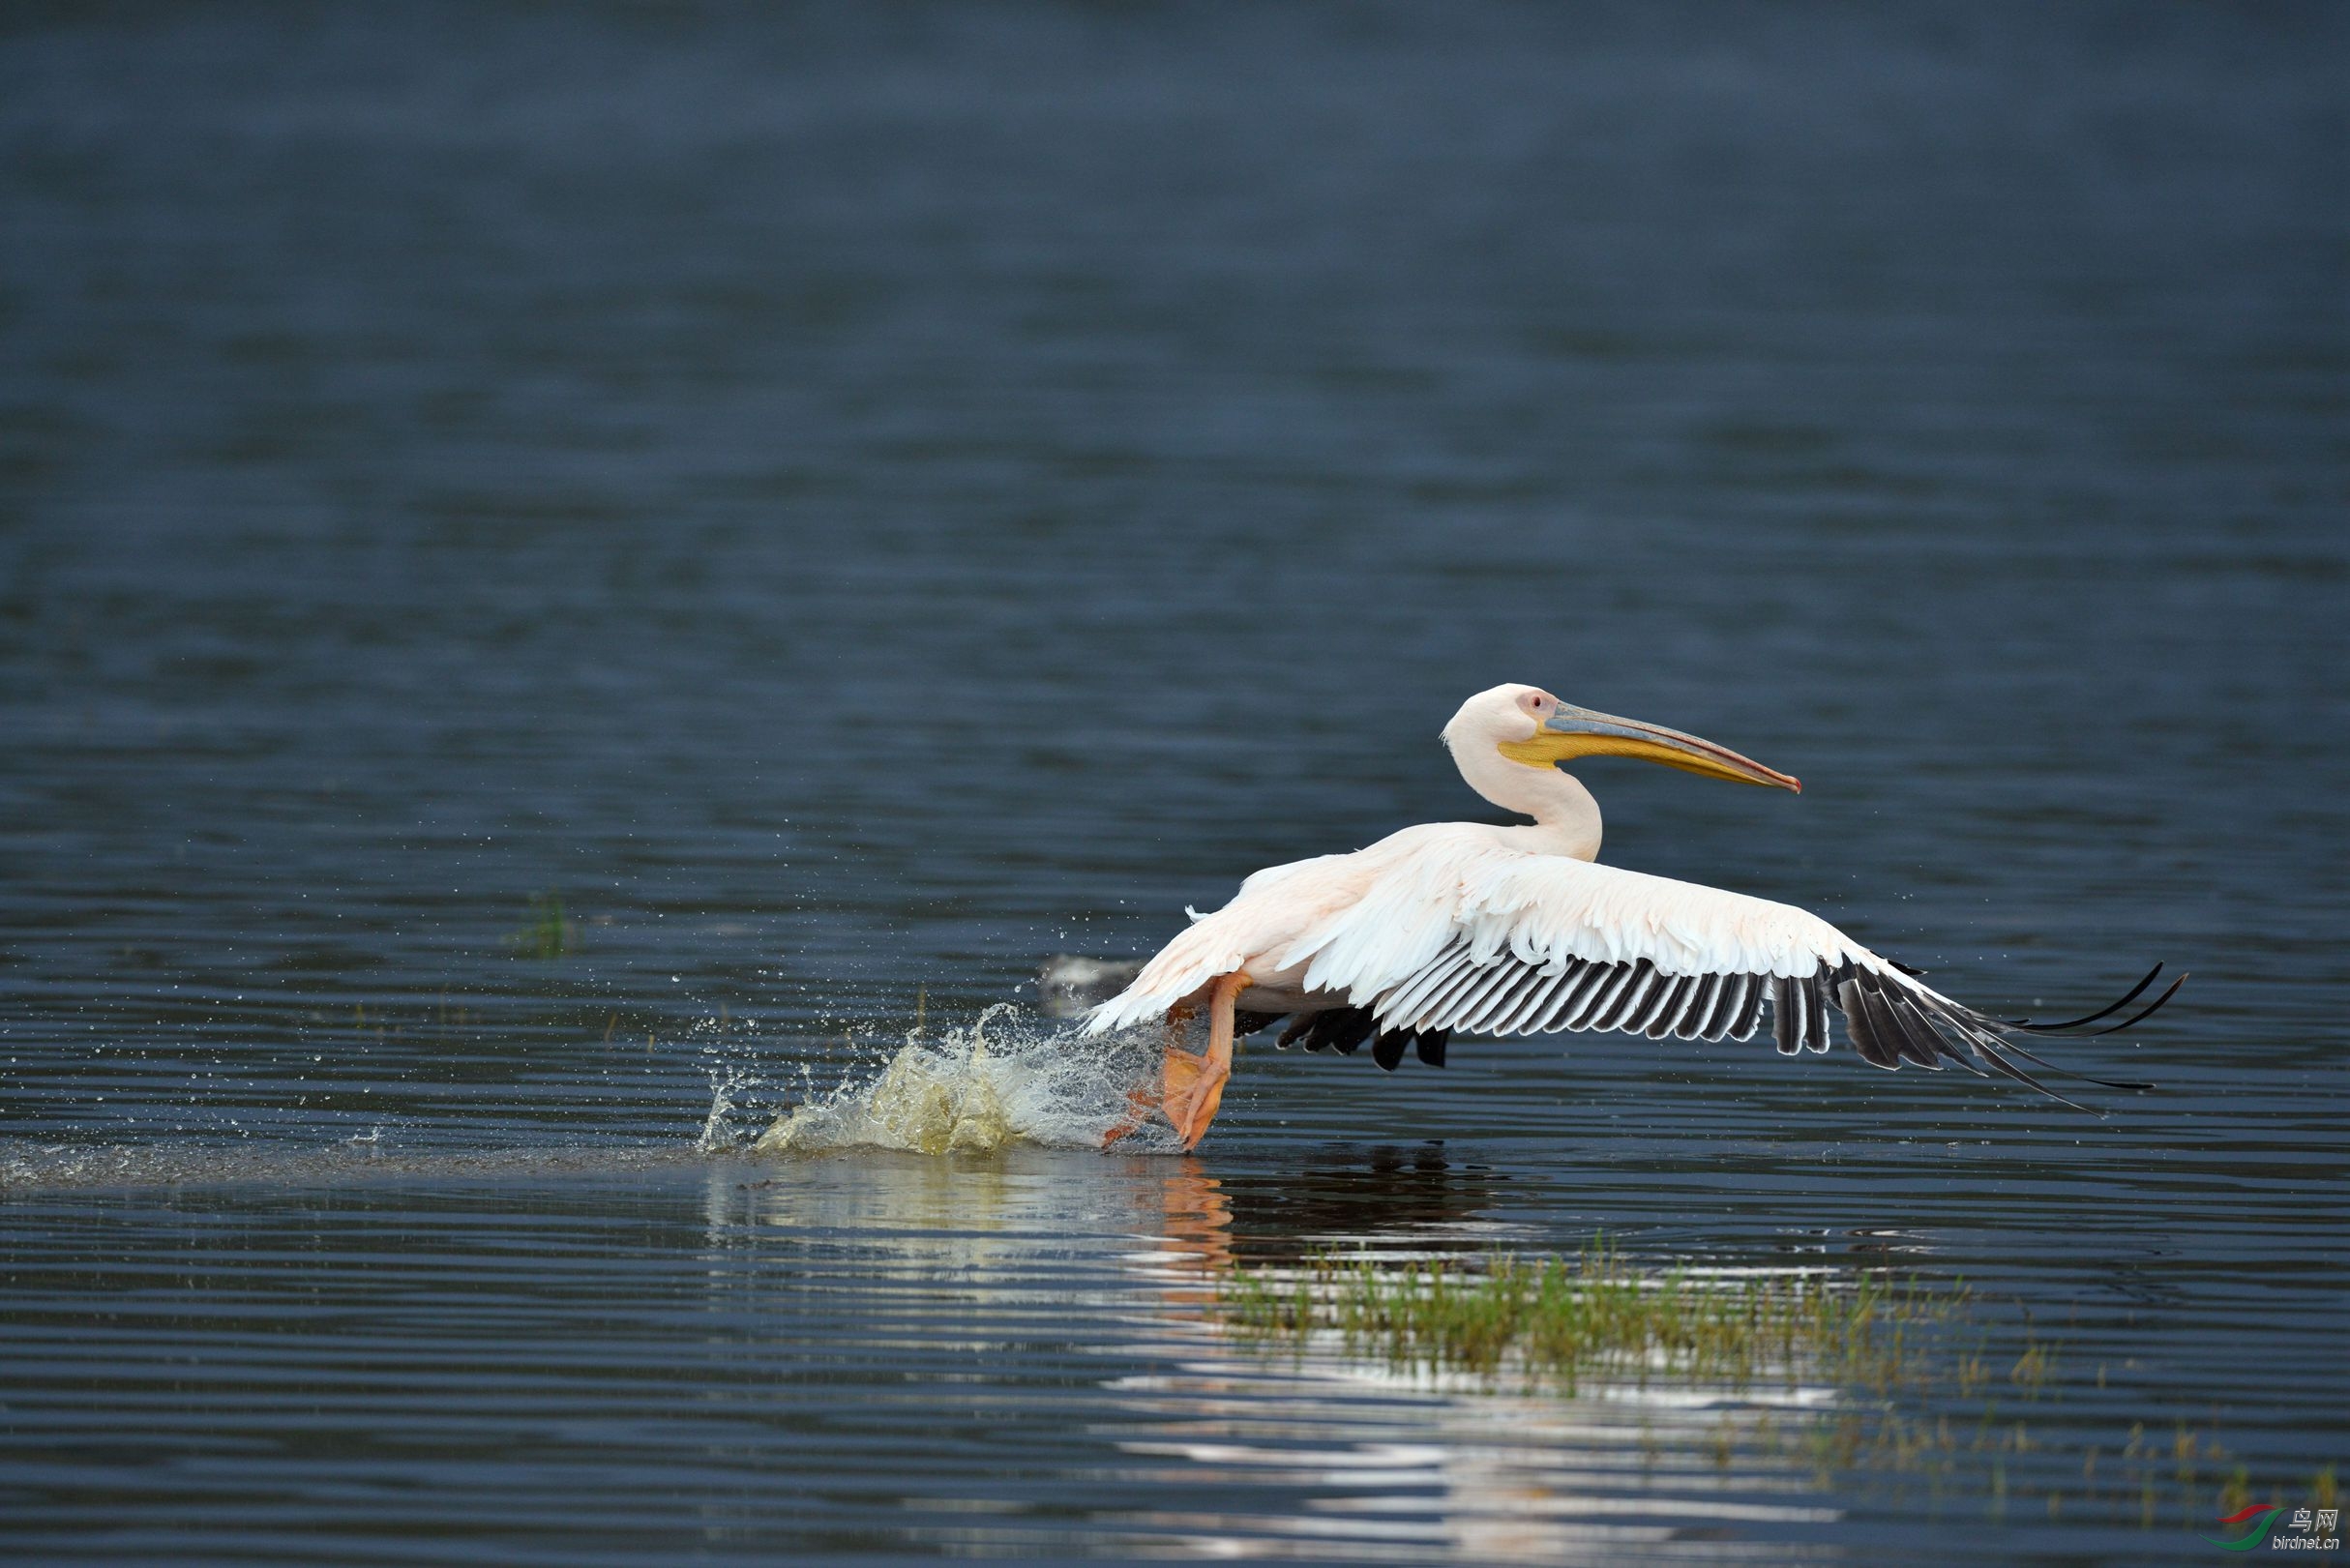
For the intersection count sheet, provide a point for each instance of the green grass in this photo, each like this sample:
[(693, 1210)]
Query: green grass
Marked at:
[(547, 935), (1929, 1402), (1558, 1321)]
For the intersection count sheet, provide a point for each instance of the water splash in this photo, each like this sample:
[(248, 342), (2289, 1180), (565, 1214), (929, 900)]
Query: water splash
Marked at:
[(726, 1080), (1009, 1078)]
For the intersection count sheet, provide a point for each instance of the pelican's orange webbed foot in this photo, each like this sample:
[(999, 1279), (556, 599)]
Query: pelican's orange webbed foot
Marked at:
[(1195, 1085), (1194, 1089), (1190, 1087), (1141, 1102)]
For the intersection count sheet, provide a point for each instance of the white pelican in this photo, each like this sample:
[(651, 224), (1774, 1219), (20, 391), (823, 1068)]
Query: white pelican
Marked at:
[(1516, 930)]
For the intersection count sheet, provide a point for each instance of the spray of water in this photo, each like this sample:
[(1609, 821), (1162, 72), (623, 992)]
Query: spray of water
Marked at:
[(1008, 1078), (726, 1079)]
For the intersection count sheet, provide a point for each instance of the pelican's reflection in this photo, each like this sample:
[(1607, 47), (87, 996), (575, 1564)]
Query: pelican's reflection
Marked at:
[(1325, 1452), (967, 1214), (1403, 1201), (1231, 1447)]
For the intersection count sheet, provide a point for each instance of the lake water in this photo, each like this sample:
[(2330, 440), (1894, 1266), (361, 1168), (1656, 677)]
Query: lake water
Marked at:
[(852, 501)]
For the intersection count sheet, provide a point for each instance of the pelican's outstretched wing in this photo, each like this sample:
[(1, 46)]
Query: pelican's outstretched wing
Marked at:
[(1535, 944)]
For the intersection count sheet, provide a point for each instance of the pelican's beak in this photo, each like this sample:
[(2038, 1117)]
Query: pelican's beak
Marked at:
[(1573, 732)]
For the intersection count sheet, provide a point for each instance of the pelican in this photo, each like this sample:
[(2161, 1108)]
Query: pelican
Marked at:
[(1502, 930)]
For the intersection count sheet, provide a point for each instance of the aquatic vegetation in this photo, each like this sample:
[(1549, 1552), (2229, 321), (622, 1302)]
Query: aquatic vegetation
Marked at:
[(1893, 1378), (548, 933), (1558, 1321)]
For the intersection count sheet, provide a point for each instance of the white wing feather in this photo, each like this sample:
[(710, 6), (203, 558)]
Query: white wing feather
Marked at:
[(1546, 910), (1364, 924)]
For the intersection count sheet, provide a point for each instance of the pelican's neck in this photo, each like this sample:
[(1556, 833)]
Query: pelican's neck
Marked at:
[(1567, 818)]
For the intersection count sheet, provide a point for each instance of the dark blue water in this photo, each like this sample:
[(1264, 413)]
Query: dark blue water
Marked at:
[(854, 500)]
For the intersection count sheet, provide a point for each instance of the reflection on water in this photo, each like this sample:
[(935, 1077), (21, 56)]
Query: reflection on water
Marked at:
[(1415, 1462), (1318, 1447), (887, 1345), (1321, 1454)]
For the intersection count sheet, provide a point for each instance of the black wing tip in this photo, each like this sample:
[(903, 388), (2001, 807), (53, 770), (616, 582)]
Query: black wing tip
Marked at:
[(2100, 1082), (2149, 1010), (1885, 1020), (2127, 998), (1986, 1035)]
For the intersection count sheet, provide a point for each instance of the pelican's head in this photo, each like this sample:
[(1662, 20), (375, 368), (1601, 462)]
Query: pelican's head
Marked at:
[(1528, 725)]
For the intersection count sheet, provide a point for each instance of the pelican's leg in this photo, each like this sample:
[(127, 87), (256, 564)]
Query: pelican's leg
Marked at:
[(1142, 1102), (1195, 1085)]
